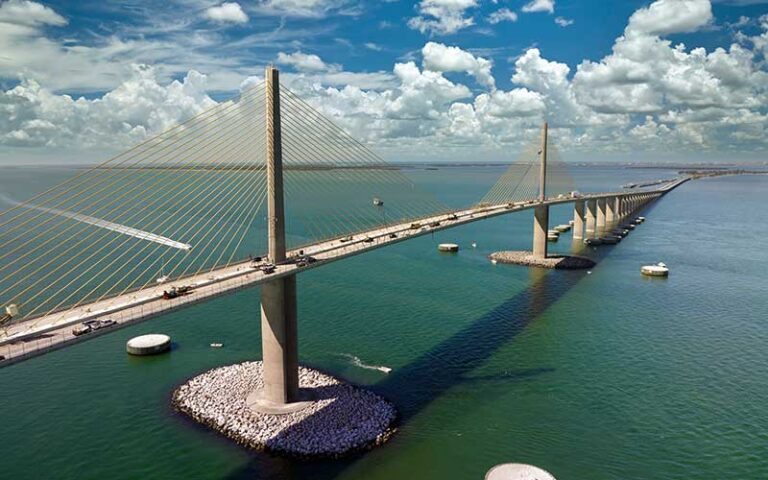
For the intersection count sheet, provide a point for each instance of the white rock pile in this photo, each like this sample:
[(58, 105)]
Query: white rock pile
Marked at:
[(341, 419)]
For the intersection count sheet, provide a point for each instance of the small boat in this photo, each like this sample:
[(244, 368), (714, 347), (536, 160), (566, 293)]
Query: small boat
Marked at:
[(571, 222), (640, 219), (610, 240), (494, 261), (592, 241), (474, 245), (658, 270), (562, 228), (553, 232), (217, 345), (553, 238), (377, 202)]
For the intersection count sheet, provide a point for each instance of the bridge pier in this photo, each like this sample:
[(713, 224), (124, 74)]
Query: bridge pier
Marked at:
[(601, 214), (611, 212), (578, 219), (279, 325), (540, 228), (591, 218), (541, 212)]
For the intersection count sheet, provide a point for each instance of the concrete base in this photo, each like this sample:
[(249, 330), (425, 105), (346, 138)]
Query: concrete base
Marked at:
[(258, 403), (557, 262), (340, 419)]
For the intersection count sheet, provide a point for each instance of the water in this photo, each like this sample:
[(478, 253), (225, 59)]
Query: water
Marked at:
[(601, 375)]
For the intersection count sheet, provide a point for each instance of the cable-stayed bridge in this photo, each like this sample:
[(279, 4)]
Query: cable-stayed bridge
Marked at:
[(251, 192)]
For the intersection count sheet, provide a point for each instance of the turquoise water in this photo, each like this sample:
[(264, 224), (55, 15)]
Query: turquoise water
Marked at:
[(601, 375)]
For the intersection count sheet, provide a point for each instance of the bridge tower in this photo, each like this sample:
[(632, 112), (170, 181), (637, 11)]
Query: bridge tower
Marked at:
[(278, 297), (541, 212)]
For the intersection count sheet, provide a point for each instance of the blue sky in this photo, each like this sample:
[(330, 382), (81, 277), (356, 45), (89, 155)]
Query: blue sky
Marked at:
[(674, 80)]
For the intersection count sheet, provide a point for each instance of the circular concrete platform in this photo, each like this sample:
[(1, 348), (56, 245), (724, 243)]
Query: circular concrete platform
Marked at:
[(338, 419), (517, 471), (148, 344), (448, 247)]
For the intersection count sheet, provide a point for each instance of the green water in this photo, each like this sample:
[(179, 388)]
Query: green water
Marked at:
[(601, 375)]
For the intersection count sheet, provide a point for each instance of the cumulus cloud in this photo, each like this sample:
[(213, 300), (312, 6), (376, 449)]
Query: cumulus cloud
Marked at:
[(227, 12), (25, 12), (442, 17), (139, 107), (664, 17), (304, 62), (540, 6), (563, 22), (442, 58), (502, 15)]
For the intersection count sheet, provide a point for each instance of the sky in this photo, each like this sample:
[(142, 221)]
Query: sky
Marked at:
[(416, 80)]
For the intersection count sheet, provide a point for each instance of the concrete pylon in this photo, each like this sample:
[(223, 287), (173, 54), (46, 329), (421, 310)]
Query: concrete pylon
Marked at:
[(591, 217), (611, 211), (601, 214), (279, 328), (578, 219), (541, 212)]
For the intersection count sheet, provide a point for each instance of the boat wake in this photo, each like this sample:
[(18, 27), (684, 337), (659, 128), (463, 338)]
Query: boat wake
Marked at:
[(359, 363), (97, 222)]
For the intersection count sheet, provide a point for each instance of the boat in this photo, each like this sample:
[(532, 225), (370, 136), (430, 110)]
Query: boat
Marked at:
[(571, 222), (610, 240), (563, 228), (592, 241), (474, 245), (552, 238), (377, 202), (553, 232), (658, 270), (217, 345), (641, 219)]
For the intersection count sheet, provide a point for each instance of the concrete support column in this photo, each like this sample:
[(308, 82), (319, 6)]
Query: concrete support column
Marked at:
[(611, 212), (279, 335), (601, 214), (591, 218), (540, 228), (541, 212), (578, 219)]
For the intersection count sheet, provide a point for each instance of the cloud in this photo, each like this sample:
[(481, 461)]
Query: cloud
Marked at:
[(306, 8), (139, 107), (304, 62), (442, 17), (373, 46), (502, 15), (563, 22), (540, 6), (32, 14), (442, 58), (664, 17), (227, 12)]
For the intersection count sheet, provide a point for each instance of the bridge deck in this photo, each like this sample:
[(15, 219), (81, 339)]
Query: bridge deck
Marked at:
[(38, 335)]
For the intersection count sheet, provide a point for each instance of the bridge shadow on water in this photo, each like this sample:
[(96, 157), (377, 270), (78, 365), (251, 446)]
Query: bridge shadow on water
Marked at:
[(415, 386)]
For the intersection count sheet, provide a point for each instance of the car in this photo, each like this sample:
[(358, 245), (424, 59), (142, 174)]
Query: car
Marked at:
[(415, 226), (346, 239), (106, 324), (434, 224), (305, 260), (267, 268), (82, 329), (368, 240), (392, 235), (453, 217)]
